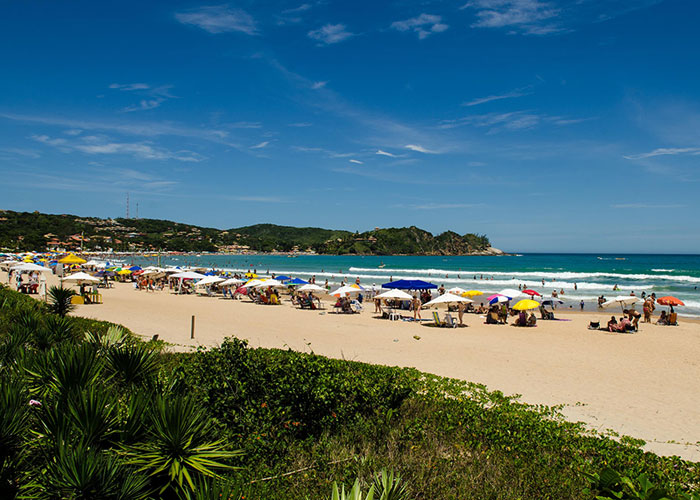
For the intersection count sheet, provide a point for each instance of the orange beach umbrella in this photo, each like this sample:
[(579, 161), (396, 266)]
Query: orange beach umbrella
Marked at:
[(669, 301)]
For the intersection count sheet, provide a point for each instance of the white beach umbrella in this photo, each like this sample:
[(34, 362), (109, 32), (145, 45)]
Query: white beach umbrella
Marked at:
[(271, 282), (81, 277), (231, 281), (31, 267), (311, 287), (93, 263), (447, 298), (188, 275), (394, 293), (456, 290), (511, 293), (622, 301), (254, 283), (209, 280), (345, 290)]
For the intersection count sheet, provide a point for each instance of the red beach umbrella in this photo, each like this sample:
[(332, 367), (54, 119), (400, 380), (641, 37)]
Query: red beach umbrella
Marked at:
[(669, 301), (531, 293)]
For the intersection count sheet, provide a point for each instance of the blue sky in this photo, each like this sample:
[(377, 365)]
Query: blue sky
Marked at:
[(548, 125)]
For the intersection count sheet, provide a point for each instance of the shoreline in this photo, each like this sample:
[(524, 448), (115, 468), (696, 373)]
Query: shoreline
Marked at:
[(636, 384)]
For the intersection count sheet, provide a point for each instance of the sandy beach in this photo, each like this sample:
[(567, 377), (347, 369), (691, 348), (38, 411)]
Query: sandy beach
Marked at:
[(642, 385)]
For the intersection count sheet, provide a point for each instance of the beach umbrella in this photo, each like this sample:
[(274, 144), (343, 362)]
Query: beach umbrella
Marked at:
[(457, 291), (551, 301), (472, 293), (394, 294), (526, 305), (532, 293), (447, 298), (297, 281), (622, 301), (81, 278), (311, 287), (187, 275), (30, 267), (270, 282), (670, 301), (209, 280), (346, 290), (72, 259), (510, 293), (135, 268), (231, 281), (497, 299), (251, 275), (282, 278), (409, 285)]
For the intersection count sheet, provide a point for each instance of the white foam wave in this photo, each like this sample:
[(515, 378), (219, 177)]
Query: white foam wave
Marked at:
[(663, 270)]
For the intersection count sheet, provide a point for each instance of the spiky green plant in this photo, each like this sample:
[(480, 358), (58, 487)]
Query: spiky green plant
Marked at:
[(211, 489), (67, 369), (60, 300), (355, 493), (115, 336), (14, 432), (178, 450), (389, 486), (132, 364)]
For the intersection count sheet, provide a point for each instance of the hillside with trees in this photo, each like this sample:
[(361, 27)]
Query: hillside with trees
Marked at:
[(36, 231)]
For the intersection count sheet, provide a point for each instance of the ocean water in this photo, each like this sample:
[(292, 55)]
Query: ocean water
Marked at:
[(581, 276)]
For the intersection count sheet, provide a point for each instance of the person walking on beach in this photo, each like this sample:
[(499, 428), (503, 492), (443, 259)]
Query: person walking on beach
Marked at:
[(582, 304), (460, 313), (417, 305)]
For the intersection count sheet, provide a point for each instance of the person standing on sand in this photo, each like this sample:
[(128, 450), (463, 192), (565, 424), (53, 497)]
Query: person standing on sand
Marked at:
[(647, 308), (460, 313), (417, 305), (582, 304), (441, 290)]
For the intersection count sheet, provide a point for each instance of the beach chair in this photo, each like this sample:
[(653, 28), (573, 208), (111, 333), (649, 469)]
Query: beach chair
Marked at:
[(356, 306), (672, 319), (450, 321), (436, 318)]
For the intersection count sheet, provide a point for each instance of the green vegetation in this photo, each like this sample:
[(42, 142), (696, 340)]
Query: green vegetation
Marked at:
[(88, 411), (35, 231)]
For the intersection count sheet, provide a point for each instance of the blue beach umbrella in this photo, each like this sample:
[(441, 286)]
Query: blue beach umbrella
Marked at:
[(297, 281), (409, 285), (134, 268), (282, 278)]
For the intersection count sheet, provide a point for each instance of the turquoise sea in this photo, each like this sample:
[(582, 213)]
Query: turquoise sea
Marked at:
[(581, 276)]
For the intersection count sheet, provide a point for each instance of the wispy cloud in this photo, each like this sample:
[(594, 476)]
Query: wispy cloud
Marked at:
[(154, 96), (653, 206), (300, 124), (357, 161), (260, 145), (330, 33), (303, 7), (385, 153), (96, 145), (219, 19), (423, 25), (318, 85), (497, 97), (513, 120), (532, 17), (438, 206), (27, 153), (419, 149), (665, 152)]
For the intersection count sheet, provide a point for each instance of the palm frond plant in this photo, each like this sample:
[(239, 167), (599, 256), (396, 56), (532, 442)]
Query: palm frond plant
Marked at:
[(94, 415), (14, 432), (69, 369), (389, 486), (178, 450), (115, 336), (60, 329), (211, 489), (60, 300), (355, 493)]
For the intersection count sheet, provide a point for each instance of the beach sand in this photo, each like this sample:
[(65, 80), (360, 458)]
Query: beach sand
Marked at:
[(642, 385)]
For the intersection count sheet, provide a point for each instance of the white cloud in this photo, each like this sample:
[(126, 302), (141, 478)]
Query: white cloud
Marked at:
[(73, 131), (420, 149), (384, 153), (129, 86), (261, 145), (424, 25), (104, 146), (357, 161), (497, 97), (513, 120), (303, 7), (318, 85), (532, 17), (300, 124), (664, 152), (219, 19), (330, 33)]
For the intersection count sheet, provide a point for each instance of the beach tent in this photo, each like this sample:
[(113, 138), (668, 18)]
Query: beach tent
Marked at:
[(81, 277), (409, 285), (394, 293), (72, 259), (447, 298), (311, 287), (270, 282)]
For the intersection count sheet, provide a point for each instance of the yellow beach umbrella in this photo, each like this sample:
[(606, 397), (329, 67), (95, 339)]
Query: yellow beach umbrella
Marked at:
[(472, 293), (124, 271), (251, 275), (526, 304), (72, 259)]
